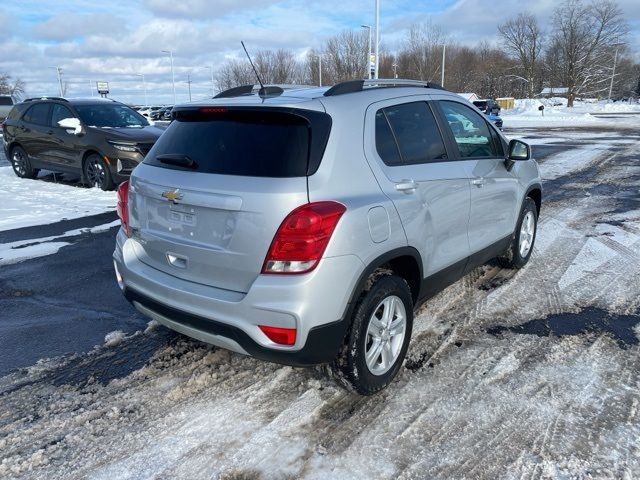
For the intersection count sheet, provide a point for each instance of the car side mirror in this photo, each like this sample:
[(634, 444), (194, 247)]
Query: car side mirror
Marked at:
[(519, 150), (72, 125)]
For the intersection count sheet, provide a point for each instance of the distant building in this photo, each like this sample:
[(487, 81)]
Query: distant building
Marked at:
[(554, 92), (506, 102), (472, 97)]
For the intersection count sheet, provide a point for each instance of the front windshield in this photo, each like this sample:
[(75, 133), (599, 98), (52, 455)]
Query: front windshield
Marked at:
[(110, 115)]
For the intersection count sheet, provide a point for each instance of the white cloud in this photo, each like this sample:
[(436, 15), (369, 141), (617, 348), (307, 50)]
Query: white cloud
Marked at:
[(202, 9), (89, 41), (68, 26)]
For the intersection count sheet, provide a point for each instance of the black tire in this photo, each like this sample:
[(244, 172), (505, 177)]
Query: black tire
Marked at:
[(21, 164), (350, 367), (513, 257), (96, 173)]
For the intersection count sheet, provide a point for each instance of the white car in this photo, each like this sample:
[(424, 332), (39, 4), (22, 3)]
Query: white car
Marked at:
[(6, 104)]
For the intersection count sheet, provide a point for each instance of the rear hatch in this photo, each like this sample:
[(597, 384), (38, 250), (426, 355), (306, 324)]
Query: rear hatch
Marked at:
[(208, 198)]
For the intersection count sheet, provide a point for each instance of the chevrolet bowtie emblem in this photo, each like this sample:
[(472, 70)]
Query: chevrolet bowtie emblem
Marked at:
[(172, 195)]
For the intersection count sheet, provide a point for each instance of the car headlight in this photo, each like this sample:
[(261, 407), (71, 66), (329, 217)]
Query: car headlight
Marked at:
[(123, 147)]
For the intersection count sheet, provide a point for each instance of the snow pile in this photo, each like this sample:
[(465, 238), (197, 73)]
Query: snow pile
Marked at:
[(529, 109), (36, 202), (526, 111), (114, 338)]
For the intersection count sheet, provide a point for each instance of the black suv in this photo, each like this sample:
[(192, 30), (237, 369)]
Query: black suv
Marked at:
[(488, 106), (100, 139)]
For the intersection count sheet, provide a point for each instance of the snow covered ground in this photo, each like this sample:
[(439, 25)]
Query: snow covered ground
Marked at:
[(46, 200), (527, 374), (526, 112)]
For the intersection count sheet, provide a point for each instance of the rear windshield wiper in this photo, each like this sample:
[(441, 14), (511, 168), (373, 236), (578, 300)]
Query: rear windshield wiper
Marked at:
[(178, 160)]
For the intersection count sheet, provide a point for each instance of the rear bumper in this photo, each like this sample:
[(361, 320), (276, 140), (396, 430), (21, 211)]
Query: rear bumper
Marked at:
[(314, 304), (321, 346)]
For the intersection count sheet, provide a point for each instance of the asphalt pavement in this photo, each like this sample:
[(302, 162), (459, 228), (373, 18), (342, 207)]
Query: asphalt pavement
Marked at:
[(65, 303)]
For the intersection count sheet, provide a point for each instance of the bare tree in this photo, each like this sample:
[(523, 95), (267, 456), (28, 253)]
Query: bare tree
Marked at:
[(421, 56), (583, 38), (15, 88), (233, 73), (277, 67), (523, 41), (345, 57)]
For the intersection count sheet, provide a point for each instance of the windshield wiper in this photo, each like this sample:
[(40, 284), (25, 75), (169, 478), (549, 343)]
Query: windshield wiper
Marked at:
[(178, 160)]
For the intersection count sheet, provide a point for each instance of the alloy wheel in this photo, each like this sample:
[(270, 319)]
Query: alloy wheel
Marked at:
[(385, 335), (95, 173), (19, 162), (527, 231)]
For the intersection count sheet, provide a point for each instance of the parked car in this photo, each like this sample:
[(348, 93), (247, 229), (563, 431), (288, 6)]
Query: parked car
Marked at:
[(495, 119), (305, 227), (99, 139), (149, 111), (159, 114), (167, 113), (6, 104), (487, 106)]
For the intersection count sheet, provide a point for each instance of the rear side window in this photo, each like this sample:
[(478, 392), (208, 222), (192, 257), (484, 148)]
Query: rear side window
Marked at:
[(38, 114), (17, 111), (239, 142), (4, 101), (386, 142), (414, 129), (470, 131)]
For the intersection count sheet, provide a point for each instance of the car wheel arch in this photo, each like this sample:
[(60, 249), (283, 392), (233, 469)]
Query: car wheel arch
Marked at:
[(405, 262), (535, 193), (11, 146)]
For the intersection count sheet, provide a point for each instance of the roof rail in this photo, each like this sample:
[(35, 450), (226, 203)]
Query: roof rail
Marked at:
[(235, 91), (352, 86), (45, 98), (266, 91)]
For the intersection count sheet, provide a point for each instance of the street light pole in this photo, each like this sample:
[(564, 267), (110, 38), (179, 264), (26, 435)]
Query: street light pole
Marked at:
[(444, 48), (173, 78), (613, 73), (377, 38), (144, 86), (59, 72), (368, 27), (189, 84), (213, 87), (319, 69)]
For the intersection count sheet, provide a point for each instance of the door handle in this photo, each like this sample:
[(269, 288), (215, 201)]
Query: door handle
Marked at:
[(407, 186), (50, 132), (478, 182)]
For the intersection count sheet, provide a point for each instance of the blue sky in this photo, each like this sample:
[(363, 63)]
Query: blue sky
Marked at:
[(117, 40)]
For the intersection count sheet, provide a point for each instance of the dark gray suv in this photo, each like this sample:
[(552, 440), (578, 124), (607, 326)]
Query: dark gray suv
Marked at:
[(101, 140)]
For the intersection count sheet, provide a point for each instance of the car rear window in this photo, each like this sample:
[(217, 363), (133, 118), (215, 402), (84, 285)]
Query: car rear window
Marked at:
[(6, 101), (237, 142)]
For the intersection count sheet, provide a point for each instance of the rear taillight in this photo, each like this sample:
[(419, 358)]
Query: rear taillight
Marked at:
[(283, 336), (302, 238), (123, 206)]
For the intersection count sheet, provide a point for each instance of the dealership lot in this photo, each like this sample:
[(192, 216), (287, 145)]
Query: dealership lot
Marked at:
[(530, 374)]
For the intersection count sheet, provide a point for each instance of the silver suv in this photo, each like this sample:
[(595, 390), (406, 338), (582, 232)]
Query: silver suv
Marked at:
[(304, 226)]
